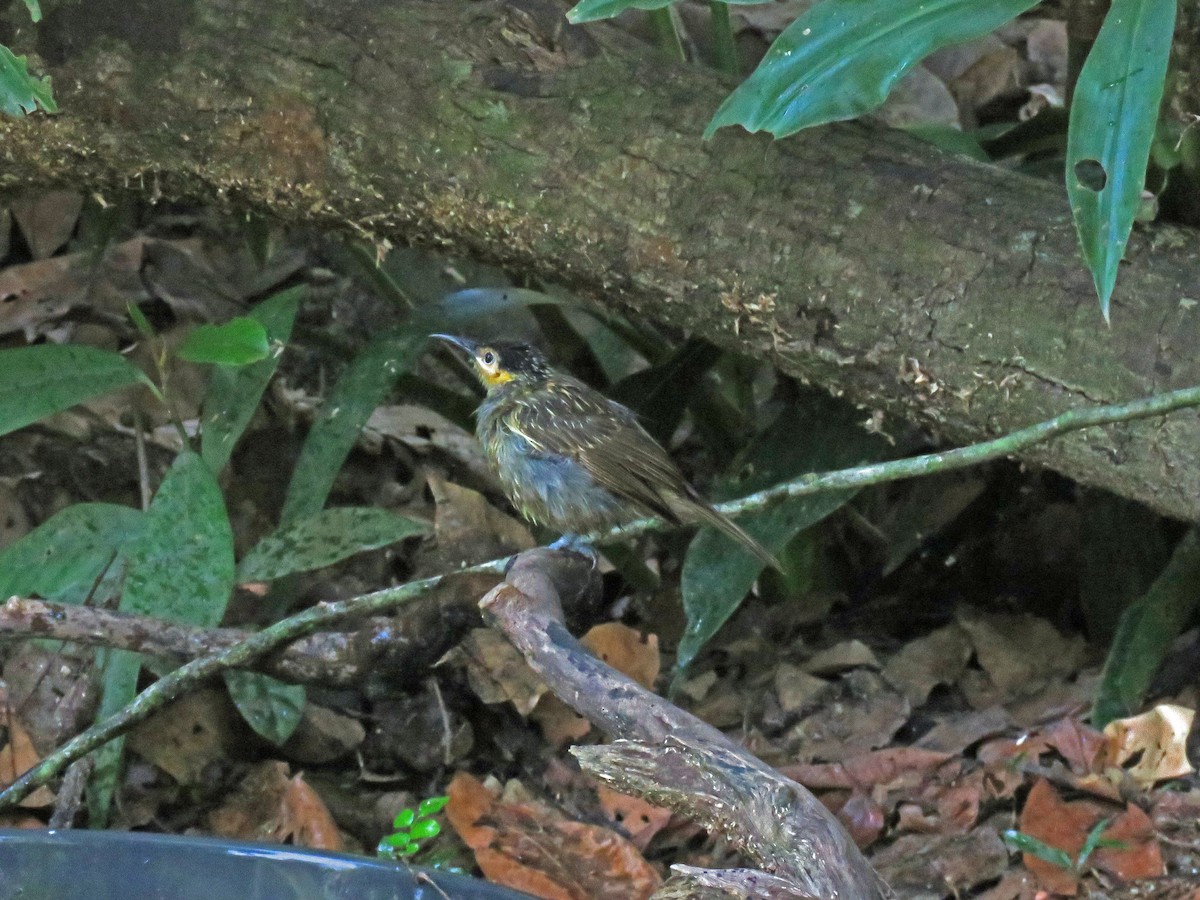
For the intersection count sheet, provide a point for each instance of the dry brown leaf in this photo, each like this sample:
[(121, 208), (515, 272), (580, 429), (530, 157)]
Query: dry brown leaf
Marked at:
[(641, 820), (794, 687), (270, 806), (1158, 740), (469, 529), (185, 737), (1020, 653), (1065, 826), (496, 670), (47, 219), (17, 757), (627, 650), (921, 665), (840, 657), (532, 847)]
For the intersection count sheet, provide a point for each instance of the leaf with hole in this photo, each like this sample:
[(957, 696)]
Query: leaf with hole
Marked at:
[(842, 58), (1114, 116)]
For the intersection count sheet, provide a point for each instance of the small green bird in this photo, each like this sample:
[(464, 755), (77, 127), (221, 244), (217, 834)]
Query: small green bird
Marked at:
[(573, 460)]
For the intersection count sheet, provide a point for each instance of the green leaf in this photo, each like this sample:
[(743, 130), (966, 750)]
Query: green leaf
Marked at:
[(404, 819), (591, 10), (234, 393), (362, 387), (328, 537), (463, 306), (1028, 844), (35, 10), (118, 686), (842, 58), (431, 806), (182, 566), (1093, 841), (1114, 114), (425, 828), (20, 92), (238, 342), (36, 382), (717, 573), (272, 707), (1145, 634), (63, 558)]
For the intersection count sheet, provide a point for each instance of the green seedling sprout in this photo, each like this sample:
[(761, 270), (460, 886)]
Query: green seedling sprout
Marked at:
[(411, 827)]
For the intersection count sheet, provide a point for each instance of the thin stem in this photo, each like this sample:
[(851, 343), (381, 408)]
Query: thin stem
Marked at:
[(666, 34), (240, 654), (933, 463), (724, 49)]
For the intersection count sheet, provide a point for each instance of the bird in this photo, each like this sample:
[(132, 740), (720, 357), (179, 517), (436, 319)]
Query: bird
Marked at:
[(573, 460)]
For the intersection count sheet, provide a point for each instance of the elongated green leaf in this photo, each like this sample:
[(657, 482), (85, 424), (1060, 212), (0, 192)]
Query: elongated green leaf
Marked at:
[(328, 537), (362, 387), (1146, 631), (272, 707), (1113, 118), (717, 573), (35, 10), (234, 393), (36, 382), (118, 686), (591, 10), (238, 342), (20, 92), (182, 567), (842, 58), (63, 558)]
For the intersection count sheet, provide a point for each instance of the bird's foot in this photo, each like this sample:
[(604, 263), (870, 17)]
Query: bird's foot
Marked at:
[(574, 543)]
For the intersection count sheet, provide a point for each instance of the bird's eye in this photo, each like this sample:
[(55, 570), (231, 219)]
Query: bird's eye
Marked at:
[(489, 358)]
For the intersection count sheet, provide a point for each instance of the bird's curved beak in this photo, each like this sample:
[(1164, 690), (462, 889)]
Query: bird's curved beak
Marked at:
[(461, 343)]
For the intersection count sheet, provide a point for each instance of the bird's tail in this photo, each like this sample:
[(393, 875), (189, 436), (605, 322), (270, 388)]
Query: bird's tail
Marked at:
[(708, 516)]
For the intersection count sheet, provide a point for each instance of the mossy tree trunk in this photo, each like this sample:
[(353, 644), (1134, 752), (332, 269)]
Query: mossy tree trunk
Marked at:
[(935, 289)]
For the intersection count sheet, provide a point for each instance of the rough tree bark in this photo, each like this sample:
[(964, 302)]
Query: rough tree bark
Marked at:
[(933, 288)]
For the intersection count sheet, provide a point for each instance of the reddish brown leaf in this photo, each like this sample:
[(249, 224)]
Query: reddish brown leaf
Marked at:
[(532, 847), (641, 820)]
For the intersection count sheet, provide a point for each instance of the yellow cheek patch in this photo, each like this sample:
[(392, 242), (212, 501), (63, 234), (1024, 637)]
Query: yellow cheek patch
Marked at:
[(491, 379)]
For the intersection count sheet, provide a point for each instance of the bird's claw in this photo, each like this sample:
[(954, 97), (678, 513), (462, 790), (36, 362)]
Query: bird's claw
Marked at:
[(573, 543)]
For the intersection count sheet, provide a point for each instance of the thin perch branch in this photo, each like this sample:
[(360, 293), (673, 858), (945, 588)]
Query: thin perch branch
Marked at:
[(281, 633)]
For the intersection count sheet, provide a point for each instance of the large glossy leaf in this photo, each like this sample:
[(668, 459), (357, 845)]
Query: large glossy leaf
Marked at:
[(234, 393), (64, 557), (1113, 118), (20, 92), (591, 10), (842, 58), (272, 707), (328, 537), (36, 382), (1145, 633), (362, 387), (815, 435)]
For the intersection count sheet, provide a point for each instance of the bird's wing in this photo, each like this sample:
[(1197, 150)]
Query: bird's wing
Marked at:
[(572, 420)]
